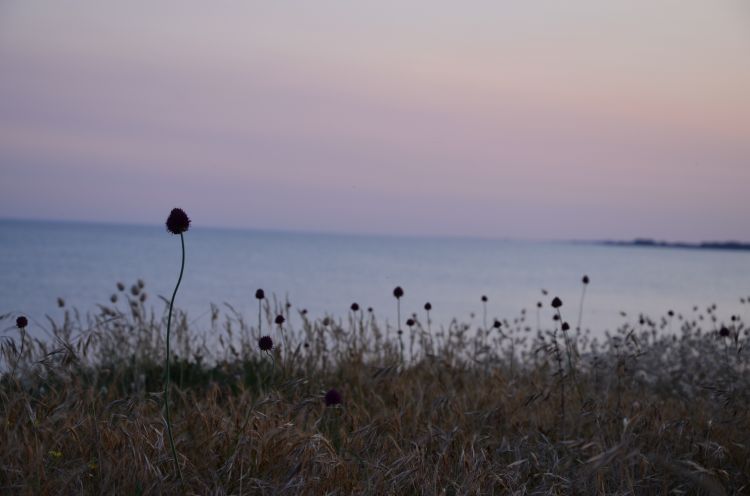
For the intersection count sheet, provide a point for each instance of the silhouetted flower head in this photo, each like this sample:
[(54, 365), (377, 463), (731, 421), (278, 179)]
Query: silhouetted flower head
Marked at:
[(265, 343), (585, 279), (410, 322), (355, 307), (400, 332), (178, 221), (428, 306), (279, 319), (398, 292), (556, 317), (484, 298), (326, 321), (304, 311), (260, 294), (556, 302), (60, 302), (333, 397), (539, 304), (496, 324), (113, 298), (565, 326), (369, 309), (670, 313), (120, 286), (724, 332), (134, 290), (22, 322)]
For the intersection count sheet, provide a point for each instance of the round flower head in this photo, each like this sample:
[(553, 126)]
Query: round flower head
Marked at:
[(22, 322), (332, 398), (265, 343), (355, 307), (178, 221), (556, 302), (260, 294), (565, 326), (724, 332), (539, 304), (428, 306), (496, 324), (585, 279), (410, 322), (398, 292), (484, 298), (279, 319)]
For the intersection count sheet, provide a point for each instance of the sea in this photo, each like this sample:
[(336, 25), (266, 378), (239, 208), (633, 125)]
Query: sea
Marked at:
[(81, 263)]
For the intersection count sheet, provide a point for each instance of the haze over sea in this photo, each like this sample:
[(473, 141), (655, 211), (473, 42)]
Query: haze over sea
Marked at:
[(81, 263)]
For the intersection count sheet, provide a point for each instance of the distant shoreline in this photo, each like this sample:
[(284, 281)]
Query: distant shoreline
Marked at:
[(704, 245)]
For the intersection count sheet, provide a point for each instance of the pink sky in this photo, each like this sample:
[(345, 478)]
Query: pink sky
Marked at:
[(545, 119)]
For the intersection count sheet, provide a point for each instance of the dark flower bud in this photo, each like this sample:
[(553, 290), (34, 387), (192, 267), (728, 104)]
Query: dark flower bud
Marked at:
[(141, 284), (143, 297), (120, 286), (555, 317), (178, 221), (400, 332), (670, 313), (332, 398), (355, 307), (539, 304), (496, 324), (410, 322), (60, 302), (428, 306), (260, 294), (326, 321), (279, 319), (398, 292), (304, 311), (565, 326), (585, 279), (556, 302), (113, 298), (484, 298), (306, 345), (134, 290), (265, 343), (22, 322), (724, 332), (369, 309)]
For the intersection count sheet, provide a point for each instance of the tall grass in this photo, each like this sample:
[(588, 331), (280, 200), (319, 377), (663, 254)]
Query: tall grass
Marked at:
[(654, 412)]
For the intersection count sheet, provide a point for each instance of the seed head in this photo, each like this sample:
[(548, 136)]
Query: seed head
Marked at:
[(332, 397), (585, 279), (259, 294), (22, 322), (724, 332), (265, 343), (556, 302), (178, 221), (369, 309), (326, 321), (113, 298), (398, 292), (428, 306), (539, 304), (484, 298), (60, 302), (565, 326), (279, 319), (355, 307), (496, 324), (410, 322), (120, 286)]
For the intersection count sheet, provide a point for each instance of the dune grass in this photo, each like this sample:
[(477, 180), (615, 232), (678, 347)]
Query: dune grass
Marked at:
[(646, 411)]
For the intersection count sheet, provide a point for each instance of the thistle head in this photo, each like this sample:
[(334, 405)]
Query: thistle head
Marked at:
[(259, 294), (265, 343), (484, 298), (585, 280), (22, 322), (178, 221), (556, 302), (355, 307), (565, 326), (279, 320), (428, 306), (398, 292), (410, 322), (496, 324)]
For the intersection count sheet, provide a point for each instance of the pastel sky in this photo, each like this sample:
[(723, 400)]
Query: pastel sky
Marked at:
[(529, 119)]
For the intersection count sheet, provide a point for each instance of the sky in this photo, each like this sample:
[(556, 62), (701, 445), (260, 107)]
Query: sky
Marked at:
[(537, 119)]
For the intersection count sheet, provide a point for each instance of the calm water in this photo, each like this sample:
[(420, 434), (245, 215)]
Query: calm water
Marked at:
[(40, 261)]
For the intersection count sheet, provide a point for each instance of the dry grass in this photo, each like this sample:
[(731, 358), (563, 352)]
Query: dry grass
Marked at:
[(646, 411)]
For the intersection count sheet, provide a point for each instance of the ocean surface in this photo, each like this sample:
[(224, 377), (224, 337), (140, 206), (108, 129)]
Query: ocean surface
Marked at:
[(325, 273)]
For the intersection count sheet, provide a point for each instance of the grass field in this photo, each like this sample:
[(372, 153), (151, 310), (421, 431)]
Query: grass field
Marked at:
[(523, 407)]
